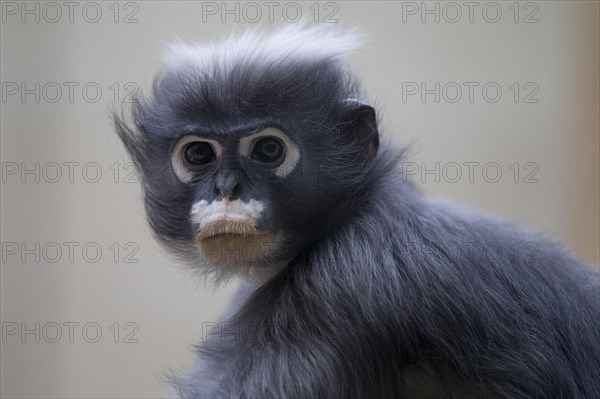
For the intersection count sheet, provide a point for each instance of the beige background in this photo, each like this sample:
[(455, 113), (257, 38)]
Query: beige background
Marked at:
[(558, 135)]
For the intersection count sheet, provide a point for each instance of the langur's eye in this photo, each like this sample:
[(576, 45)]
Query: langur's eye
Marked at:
[(198, 153), (192, 156), (268, 150)]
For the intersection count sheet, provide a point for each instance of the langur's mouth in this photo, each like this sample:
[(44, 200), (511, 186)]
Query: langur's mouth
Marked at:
[(227, 241), (226, 228)]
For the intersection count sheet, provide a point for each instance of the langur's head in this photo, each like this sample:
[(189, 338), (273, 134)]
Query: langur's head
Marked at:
[(252, 148)]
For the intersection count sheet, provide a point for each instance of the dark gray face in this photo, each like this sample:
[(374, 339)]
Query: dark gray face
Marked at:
[(231, 211), (252, 173)]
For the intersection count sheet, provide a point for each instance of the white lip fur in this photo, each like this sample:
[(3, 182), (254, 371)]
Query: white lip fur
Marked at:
[(238, 211)]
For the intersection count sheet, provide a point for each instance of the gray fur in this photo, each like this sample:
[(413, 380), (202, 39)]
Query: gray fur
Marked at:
[(381, 292)]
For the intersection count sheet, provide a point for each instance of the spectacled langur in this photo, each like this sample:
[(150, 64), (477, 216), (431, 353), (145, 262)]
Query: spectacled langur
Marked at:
[(260, 158)]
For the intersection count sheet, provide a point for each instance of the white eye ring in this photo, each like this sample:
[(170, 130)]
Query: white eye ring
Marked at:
[(178, 163), (292, 154)]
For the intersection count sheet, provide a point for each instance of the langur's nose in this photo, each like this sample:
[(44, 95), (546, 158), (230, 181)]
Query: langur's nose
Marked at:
[(227, 187)]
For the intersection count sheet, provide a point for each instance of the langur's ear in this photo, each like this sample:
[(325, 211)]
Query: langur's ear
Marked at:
[(359, 125)]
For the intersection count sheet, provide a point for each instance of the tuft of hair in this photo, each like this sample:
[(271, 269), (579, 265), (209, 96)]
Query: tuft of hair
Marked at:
[(291, 43)]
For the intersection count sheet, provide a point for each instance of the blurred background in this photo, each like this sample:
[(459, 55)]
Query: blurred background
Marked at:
[(500, 101)]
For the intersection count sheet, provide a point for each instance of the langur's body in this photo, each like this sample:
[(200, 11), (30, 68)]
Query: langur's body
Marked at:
[(260, 158)]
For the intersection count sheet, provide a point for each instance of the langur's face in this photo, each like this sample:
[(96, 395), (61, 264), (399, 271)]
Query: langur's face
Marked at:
[(234, 179), (254, 173)]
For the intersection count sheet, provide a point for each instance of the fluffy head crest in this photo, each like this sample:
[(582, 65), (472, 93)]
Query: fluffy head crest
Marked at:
[(290, 44)]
